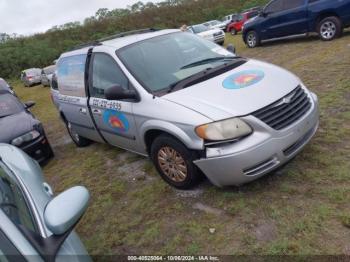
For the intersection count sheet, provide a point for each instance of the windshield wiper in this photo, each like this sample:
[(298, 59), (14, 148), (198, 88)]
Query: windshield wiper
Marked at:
[(206, 74), (209, 60), (4, 116)]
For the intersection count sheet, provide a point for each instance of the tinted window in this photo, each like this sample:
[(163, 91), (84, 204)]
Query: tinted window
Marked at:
[(274, 6), (105, 74), (12, 201), (290, 4), (199, 28), (9, 105), (70, 75)]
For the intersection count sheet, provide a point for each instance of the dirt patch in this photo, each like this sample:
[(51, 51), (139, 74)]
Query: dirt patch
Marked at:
[(208, 209), (266, 231), (195, 193), (62, 141)]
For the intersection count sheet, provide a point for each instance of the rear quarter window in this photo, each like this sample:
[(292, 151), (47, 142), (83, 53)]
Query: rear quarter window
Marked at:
[(70, 75)]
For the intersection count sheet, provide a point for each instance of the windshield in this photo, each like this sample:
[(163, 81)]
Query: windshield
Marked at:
[(33, 72), (49, 70), (159, 62), (199, 28), (9, 105)]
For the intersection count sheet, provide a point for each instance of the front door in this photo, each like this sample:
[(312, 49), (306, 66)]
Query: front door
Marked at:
[(270, 27), (114, 119), (293, 18)]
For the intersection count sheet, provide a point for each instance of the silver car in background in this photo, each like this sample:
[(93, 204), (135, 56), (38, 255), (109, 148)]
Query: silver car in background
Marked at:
[(215, 35), (33, 224), (215, 24), (46, 75), (31, 77)]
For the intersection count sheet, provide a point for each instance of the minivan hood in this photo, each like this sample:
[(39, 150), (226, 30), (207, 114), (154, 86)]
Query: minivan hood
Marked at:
[(214, 98), (16, 125)]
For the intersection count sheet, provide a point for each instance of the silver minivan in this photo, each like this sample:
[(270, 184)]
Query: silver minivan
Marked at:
[(190, 105)]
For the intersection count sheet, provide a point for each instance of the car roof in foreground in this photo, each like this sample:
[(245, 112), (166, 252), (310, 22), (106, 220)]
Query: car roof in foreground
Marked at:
[(120, 42)]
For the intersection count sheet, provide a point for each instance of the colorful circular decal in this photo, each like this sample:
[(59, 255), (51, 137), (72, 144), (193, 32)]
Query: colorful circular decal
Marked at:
[(116, 120), (243, 79)]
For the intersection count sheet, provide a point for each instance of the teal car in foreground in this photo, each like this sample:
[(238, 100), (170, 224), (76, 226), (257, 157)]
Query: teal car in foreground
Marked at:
[(34, 225)]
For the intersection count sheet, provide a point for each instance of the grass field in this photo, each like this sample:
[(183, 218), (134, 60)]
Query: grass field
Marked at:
[(303, 208)]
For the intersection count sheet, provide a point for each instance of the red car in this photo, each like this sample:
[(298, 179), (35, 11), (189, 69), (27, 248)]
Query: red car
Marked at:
[(237, 25)]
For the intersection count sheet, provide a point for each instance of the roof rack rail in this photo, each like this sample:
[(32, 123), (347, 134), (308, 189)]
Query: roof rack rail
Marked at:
[(118, 35), (95, 43), (255, 8), (133, 32)]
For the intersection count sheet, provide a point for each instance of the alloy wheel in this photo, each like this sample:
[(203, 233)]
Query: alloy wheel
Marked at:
[(328, 30), (172, 164), (251, 40)]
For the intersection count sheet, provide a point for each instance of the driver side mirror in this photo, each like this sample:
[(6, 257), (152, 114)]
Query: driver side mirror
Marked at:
[(231, 49), (29, 104), (61, 215), (117, 92), (264, 14), (64, 211)]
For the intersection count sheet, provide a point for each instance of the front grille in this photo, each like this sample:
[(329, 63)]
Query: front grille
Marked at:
[(218, 34), (285, 111)]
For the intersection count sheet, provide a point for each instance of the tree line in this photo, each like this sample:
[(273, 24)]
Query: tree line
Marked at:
[(18, 53)]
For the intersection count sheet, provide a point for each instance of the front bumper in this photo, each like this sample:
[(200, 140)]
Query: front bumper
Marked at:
[(39, 149), (260, 153), (219, 39)]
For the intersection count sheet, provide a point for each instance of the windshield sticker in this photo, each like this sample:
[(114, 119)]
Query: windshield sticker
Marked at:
[(243, 79), (116, 120)]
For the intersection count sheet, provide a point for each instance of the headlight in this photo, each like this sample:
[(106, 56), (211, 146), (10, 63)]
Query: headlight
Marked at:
[(224, 130), (25, 138)]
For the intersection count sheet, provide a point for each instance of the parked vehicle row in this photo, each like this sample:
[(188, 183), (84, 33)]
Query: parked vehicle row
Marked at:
[(195, 109), (36, 76)]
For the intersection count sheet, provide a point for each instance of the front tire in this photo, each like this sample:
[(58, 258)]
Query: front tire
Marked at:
[(252, 39), (329, 28), (174, 162), (77, 139)]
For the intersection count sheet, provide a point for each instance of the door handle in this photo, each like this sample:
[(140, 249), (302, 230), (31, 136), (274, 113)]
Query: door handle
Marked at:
[(83, 111), (97, 112)]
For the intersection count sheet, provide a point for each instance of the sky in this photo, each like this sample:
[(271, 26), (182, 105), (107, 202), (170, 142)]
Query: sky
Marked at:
[(34, 16)]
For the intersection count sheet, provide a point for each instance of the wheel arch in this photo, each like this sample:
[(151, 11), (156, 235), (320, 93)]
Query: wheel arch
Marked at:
[(323, 15), (152, 129)]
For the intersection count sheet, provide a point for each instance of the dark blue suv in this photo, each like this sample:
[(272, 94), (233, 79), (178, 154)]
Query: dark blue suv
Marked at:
[(285, 18)]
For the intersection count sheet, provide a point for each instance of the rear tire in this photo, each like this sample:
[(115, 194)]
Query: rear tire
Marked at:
[(77, 139), (174, 162), (252, 39), (329, 28)]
